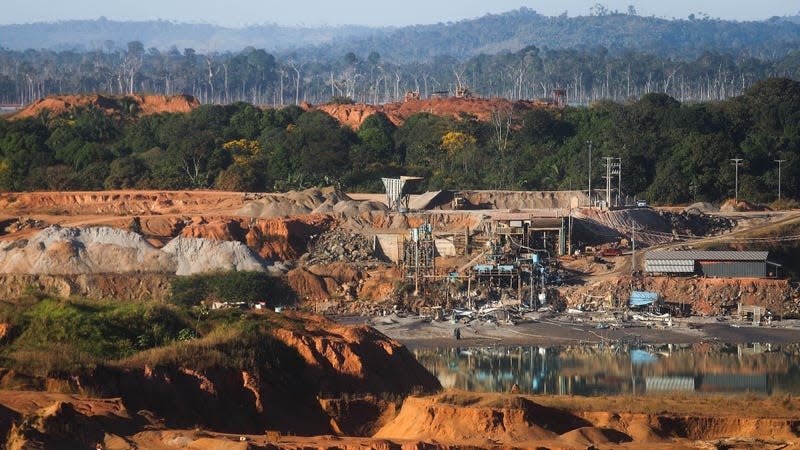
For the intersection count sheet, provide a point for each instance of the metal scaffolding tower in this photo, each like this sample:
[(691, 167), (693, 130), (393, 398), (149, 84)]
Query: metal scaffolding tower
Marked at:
[(419, 254)]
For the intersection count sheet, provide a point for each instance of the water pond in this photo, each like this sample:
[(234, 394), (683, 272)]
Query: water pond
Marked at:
[(761, 369)]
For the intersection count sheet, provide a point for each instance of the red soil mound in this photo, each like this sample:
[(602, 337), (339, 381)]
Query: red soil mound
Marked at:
[(486, 419), (333, 360), (137, 104), (732, 205), (272, 239), (356, 359), (482, 108), (352, 115)]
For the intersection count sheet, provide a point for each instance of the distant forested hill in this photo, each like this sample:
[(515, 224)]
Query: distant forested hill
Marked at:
[(104, 34), (512, 31)]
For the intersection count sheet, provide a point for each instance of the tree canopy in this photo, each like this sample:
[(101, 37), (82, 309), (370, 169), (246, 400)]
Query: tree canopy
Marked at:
[(671, 152)]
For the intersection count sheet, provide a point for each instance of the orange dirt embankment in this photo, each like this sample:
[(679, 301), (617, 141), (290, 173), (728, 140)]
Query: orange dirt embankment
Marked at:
[(271, 238), (119, 203), (363, 359), (352, 115), (481, 108), (340, 281), (282, 393), (448, 420), (488, 420), (705, 296), (126, 104)]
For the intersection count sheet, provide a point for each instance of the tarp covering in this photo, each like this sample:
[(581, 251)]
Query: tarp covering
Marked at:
[(643, 298), (642, 357)]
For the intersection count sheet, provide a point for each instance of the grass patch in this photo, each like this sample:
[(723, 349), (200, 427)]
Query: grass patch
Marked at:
[(246, 344), (247, 287), (54, 335), (67, 334)]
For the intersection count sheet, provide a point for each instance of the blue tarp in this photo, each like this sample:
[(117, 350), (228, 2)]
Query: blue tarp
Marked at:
[(642, 357), (643, 298)]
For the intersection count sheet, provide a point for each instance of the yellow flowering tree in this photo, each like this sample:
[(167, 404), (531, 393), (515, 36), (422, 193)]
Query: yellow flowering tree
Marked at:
[(243, 151), (460, 148)]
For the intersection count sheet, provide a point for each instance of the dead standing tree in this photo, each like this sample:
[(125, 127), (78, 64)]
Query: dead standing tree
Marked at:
[(212, 69), (131, 64), (297, 78)]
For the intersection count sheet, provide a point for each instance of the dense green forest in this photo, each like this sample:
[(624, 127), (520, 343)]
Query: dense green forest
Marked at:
[(671, 152), (519, 54)]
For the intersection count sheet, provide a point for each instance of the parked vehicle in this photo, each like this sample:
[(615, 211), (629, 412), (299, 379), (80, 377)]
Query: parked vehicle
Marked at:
[(610, 252)]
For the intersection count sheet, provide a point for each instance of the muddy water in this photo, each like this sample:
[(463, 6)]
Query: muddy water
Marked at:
[(760, 369)]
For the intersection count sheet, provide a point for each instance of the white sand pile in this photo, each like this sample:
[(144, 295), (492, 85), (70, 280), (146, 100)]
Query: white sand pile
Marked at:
[(63, 251), (196, 255), (523, 200), (310, 201), (94, 250), (288, 204), (701, 208), (351, 207)]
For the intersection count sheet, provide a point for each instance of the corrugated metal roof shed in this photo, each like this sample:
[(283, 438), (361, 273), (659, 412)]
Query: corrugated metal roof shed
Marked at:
[(669, 265), (708, 255), (667, 384), (734, 382)]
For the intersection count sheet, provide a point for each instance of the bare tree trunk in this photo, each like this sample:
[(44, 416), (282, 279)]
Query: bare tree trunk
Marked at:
[(397, 85), (296, 85), (210, 73), (227, 93), (282, 73)]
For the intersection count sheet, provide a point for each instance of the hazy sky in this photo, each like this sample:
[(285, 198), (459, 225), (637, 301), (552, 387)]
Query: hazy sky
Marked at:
[(365, 12)]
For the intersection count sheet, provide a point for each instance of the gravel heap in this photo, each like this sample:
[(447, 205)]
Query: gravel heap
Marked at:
[(693, 223), (340, 245)]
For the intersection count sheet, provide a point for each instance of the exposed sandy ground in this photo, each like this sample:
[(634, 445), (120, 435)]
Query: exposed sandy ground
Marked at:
[(414, 332), (450, 420), (481, 108), (144, 104)]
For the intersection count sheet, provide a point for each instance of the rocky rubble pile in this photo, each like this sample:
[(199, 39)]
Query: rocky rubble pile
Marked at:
[(700, 296), (694, 223), (340, 245), (21, 224)]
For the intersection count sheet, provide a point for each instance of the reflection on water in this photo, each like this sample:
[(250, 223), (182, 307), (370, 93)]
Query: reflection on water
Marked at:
[(607, 370)]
